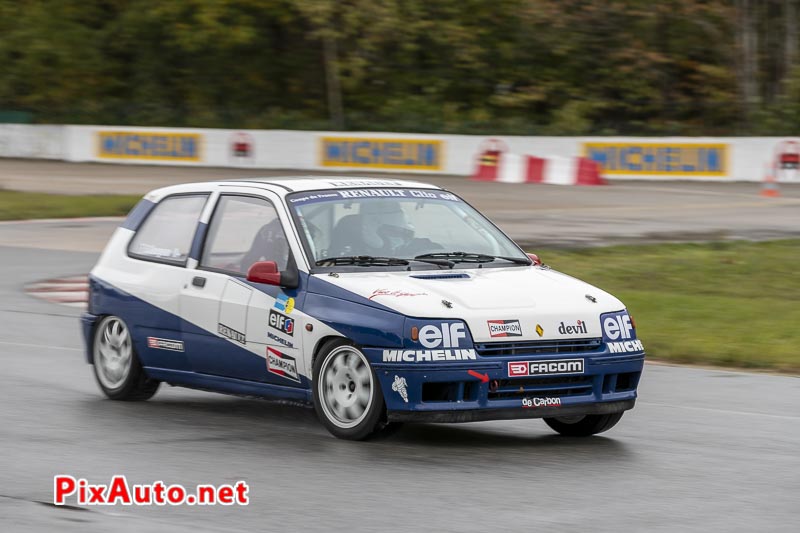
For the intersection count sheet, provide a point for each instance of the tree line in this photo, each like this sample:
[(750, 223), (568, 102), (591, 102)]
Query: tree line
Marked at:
[(536, 67)]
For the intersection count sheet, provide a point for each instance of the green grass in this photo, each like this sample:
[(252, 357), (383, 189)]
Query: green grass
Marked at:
[(731, 304), (15, 205)]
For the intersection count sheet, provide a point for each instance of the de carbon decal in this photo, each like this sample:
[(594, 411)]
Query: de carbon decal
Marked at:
[(528, 403)]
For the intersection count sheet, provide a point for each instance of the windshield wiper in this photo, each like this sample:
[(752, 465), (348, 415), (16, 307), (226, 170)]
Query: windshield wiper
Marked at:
[(464, 257), (368, 260), (362, 260)]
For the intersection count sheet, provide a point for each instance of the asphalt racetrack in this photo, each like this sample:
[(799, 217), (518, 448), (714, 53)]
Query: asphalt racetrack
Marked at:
[(704, 449)]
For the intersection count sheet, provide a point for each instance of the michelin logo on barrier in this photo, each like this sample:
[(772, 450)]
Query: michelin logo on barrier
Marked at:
[(619, 333), (158, 145), (666, 159), (442, 342), (370, 152)]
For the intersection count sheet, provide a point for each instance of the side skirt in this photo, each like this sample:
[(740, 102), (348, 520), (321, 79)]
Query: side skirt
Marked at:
[(238, 387)]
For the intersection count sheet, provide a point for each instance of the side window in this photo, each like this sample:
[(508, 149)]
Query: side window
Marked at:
[(166, 235), (244, 230)]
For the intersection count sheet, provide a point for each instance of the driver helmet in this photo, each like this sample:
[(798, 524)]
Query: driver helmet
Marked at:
[(384, 225)]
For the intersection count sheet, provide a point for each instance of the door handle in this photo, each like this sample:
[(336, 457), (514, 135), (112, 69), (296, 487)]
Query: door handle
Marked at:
[(198, 281)]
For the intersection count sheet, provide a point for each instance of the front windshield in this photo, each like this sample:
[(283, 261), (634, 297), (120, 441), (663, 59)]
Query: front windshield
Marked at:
[(396, 223)]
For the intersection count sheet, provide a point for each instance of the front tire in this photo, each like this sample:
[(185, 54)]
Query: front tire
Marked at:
[(583, 426), (116, 366), (347, 394)]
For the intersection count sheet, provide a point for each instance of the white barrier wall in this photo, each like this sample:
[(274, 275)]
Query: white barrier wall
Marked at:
[(32, 142), (723, 159)]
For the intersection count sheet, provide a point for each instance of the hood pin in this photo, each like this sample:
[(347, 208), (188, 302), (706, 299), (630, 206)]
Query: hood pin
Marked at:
[(591, 298), (448, 304)]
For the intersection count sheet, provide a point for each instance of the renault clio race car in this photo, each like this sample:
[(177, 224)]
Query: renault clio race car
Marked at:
[(376, 301)]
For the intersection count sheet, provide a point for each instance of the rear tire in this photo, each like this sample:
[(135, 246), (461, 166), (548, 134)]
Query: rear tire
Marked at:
[(347, 394), (583, 426), (116, 366)]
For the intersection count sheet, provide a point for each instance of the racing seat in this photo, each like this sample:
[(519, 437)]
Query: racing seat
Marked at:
[(269, 244)]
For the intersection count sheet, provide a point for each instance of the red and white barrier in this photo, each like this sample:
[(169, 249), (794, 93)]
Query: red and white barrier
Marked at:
[(515, 168)]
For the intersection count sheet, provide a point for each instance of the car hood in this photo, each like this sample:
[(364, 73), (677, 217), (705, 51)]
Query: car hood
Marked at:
[(547, 304)]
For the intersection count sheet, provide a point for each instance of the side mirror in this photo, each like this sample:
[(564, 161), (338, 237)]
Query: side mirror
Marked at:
[(264, 272), (535, 259)]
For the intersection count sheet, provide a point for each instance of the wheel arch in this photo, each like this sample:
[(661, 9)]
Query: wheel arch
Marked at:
[(321, 342)]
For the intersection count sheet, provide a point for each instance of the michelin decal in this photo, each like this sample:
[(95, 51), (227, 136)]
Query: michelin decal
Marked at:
[(442, 342), (619, 333)]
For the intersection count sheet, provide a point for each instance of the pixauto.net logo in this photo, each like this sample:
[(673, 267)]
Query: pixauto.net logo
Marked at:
[(120, 492)]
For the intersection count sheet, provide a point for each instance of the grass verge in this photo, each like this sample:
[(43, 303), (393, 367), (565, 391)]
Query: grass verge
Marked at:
[(730, 304), (16, 205)]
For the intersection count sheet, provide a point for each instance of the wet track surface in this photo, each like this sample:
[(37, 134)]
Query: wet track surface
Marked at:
[(703, 450)]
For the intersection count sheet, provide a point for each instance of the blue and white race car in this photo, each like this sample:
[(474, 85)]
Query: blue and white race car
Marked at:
[(377, 301)]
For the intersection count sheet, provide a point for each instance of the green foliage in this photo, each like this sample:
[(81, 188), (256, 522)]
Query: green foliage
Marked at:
[(732, 303), (16, 205), (506, 66)]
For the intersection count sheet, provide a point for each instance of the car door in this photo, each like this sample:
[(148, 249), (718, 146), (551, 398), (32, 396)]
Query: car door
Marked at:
[(227, 317), (154, 272)]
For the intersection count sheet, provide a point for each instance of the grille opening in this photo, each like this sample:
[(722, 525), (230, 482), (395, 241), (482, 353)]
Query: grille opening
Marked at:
[(471, 391), (450, 391), (440, 392), (549, 347), (555, 386), (609, 383), (627, 381)]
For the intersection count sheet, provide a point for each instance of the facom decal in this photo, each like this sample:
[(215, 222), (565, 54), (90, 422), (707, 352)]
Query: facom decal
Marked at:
[(231, 333), (504, 328), (619, 333), (528, 403), (284, 303), (282, 365), (443, 343), (279, 340), (396, 294), (568, 329), (282, 323), (400, 387), (164, 344), (545, 368)]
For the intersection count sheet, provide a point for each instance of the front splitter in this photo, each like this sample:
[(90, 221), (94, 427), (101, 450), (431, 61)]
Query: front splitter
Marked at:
[(476, 415)]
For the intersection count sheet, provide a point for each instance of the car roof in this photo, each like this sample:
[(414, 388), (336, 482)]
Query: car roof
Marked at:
[(289, 184)]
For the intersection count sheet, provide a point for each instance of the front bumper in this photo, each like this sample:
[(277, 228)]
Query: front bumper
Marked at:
[(482, 389)]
